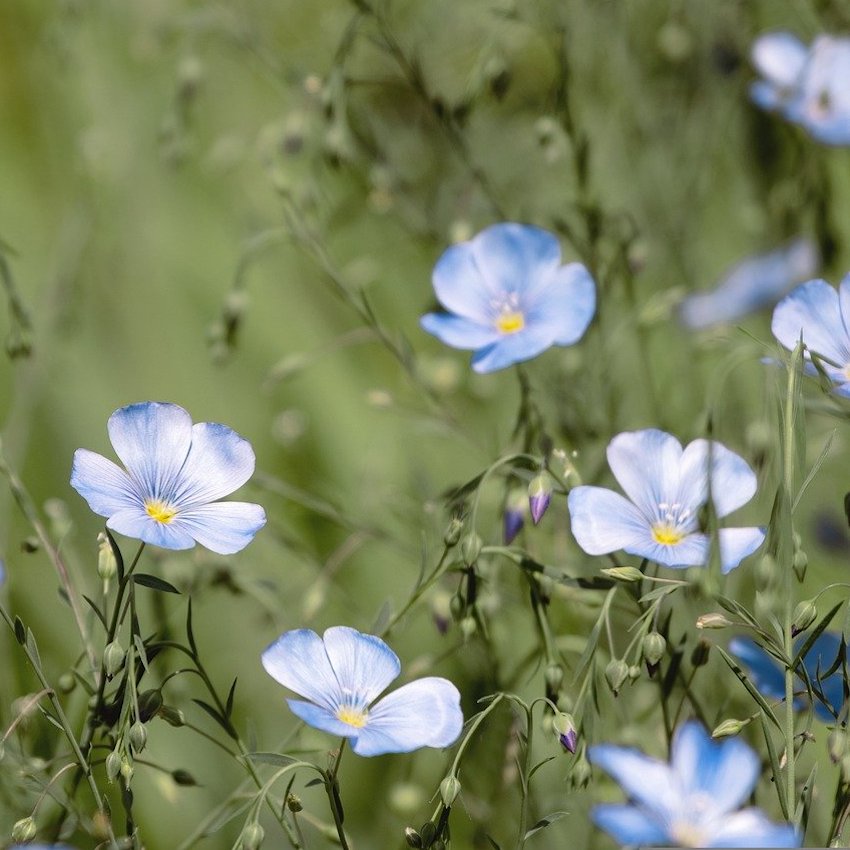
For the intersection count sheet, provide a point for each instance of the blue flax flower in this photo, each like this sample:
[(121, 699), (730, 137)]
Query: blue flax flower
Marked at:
[(508, 296), (808, 86), (691, 802), (174, 472), (667, 486), (342, 674), (752, 284), (821, 315), (769, 677)]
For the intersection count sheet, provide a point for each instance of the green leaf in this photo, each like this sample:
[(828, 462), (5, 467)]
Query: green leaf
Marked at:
[(190, 634), (815, 634), (804, 805), (154, 583), (544, 822), (774, 764), (228, 705), (97, 611), (32, 646), (140, 649), (231, 809), (593, 637), (20, 631), (745, 681), (539, 765), (223, 722), (814, 470), (119, 558)]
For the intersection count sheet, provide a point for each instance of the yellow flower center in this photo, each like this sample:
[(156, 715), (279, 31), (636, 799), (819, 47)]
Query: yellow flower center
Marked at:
[(666, 535), (688, 834), (510, 322), (159, 511), (352, 716)]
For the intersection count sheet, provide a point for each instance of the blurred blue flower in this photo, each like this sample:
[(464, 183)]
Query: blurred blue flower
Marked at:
[(808, 86), (175, 471), (342, 673), (693, 801), (769, 677), (821, 315), (508, 296), (752, 284), (667, 487)]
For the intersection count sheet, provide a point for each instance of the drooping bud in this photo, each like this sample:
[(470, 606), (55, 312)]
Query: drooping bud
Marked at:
[(616, 673), (107, 566), (252, 836), (654, 646), (624, 574), (714, 620), (554, 676), (113, 765), (804, 615), (514, 517), (24, 830), (728, 727), (539, 495), (766, 571), (565, 729), (172, 716), (113, 658), (150, 702), (183, 778), (293, 803), (449, 789), (634, 672), (126, 771), (138, 736), (699, 654), (428, 833), (453, 532), (800, 564), (67, 683), (470, 548), (581, 772), (468, 627)]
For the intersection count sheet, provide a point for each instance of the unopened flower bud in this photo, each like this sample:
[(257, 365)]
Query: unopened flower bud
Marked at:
[(183, 778), (293, 803), (836, 745), (24, 830), (457, 605), (138, 736), (172, 716), (581, 772), (804, 615), (126, 771), (634, 672), (714, 620), (565, 728), (844, 766), (654, 646), (453, 532), (728, 727), (428, 832), (624, 574), (699, 654), (470, 548), (554, 677), (113, 658), (615, 674), (252, 836), (766, 571), (113, 765), (449, 789), (514, 516), (800, 564), (468, 627), (107, 566), (412, 837), (150, 702), (67, 683), (539, 495)]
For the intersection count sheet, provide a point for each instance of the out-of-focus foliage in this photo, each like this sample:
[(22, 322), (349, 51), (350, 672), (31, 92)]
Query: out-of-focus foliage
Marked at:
[(236, 207)]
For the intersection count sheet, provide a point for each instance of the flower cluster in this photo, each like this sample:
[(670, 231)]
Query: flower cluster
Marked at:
[(808, 86), (693, 801), (667, 486), (508, 296)]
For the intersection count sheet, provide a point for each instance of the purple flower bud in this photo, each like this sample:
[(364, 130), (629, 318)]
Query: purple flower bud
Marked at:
[(565, 728), (513, 523), (539, 495)]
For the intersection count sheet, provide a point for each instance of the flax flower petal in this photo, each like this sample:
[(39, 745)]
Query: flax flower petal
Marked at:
[(103, 484), (779, 57), (135, 522), (736, 544), (565, 303), (298, 661), (629, 826), (222, 527), (459, 332), (731, 480), (424, 713), (645, 780), (512, 348), (364, 665), (321, 718), (461, 287), (152, 440), (603, 521), (751, 828)]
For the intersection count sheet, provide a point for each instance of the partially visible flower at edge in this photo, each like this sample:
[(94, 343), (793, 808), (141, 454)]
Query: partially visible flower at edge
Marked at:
[(508, 296), (175, 472), (691, 802), (821, 315), (808, 86), (769, 677), (666, 488), (752, 284), (342, 674)]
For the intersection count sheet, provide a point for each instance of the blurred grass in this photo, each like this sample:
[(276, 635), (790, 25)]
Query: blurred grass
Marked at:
[(147, 147)]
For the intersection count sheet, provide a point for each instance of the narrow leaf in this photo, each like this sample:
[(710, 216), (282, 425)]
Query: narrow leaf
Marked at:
[(774, 765), (228, 705), (20, 631), (745, 681), (97, 611), (154, 583), (275, 759), (119, 558), (544, 822), (216, 716)]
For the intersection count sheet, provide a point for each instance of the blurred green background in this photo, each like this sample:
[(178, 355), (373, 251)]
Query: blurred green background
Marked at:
[(197, 199)]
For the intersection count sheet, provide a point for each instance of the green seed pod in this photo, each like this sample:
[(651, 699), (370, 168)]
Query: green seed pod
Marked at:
[(252, 836), (107, 566), (412, 837), (126, 771), (113, 765), (554, 676), (183, 778), (728, 727), (654, 646), (699, 656), (113, 658), (449, 789), (67, 683), (468, 627), (428, 832), (800, 564), (616, 674), (634, 672), (453, 532), (804, 615), (624, 574), (172, 716), (138, 736), (24, 830), (470, 548), (150, 702)]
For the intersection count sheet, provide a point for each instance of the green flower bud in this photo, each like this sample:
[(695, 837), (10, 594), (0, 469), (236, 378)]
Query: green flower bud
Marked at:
[(412, 837), (449, 789), (616, 674), (714, 620), (845, 768), (624, 574), (653, 648), (252, 836), (766, 571), (126, 771), (150, 702), (113, 765), (172, 716), (581, 772), (67, 683), (564, 727), (453, 532), (728, 727), (699, 656), (836, 745), (113, 658), (468, 627), (800, 564), (470, 548), (554, 676), (804, 615), (24, 830), (183, 778), (138, 736), (107, 566), (634, 672)]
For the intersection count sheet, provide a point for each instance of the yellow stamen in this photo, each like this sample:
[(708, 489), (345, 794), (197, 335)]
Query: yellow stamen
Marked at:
[(160, 511), (510, 323), (667, 535), (352, 716)]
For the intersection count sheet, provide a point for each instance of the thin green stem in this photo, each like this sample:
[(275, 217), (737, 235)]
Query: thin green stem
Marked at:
[(332, 789)]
